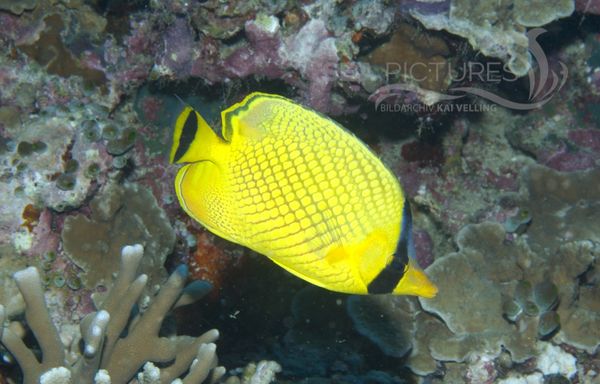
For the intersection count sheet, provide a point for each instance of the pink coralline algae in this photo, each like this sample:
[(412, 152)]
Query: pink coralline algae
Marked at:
[(505, 181), (304, 47), (14, 27), (178, 47), (594, 81), (46, 239), (567, 159), (106, 118), (588, 6), (482, 371), (261, 56), (307, 59), (423, 248), (312, 51), (588, 138)]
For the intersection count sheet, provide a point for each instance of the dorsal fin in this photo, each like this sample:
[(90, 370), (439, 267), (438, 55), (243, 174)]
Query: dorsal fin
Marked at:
[(253, 116)]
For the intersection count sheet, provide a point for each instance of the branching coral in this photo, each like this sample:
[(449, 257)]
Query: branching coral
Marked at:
[(115, 344)]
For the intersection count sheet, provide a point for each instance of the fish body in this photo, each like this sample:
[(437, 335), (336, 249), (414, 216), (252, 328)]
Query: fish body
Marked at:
[(298, 188)]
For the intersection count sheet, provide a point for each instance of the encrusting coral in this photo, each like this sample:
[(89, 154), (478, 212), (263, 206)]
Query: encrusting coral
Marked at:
[(536, 289), (377, 317), (17, 7), (407, 50), (107, 356), (119, 215), (557, 255), (496, 28)]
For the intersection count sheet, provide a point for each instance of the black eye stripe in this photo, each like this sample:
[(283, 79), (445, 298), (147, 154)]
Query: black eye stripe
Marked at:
[(188, 132), (390, 276)]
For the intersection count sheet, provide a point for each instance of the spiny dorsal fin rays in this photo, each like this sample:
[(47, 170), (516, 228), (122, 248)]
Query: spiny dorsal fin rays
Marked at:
[(183, 103), (249, 118)]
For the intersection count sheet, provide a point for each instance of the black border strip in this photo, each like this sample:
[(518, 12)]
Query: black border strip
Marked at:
[(188, 133), (390, 276)]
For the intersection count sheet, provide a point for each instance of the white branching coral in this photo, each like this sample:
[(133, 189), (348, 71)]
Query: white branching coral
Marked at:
[(115, 344)]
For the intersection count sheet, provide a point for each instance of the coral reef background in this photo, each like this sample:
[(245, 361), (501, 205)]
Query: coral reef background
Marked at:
[(505, 188)]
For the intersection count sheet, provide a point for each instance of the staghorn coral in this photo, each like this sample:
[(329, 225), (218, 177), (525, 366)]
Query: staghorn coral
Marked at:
[(108, 352), (13, 303)]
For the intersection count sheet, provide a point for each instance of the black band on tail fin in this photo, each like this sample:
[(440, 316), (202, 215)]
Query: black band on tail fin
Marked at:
[(390, 276), (188, 133)]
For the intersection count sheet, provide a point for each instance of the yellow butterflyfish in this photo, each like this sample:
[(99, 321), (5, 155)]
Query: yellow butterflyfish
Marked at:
[(297, 187)]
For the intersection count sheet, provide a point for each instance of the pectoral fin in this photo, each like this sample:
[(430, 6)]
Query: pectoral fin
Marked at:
[(199, 188)]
